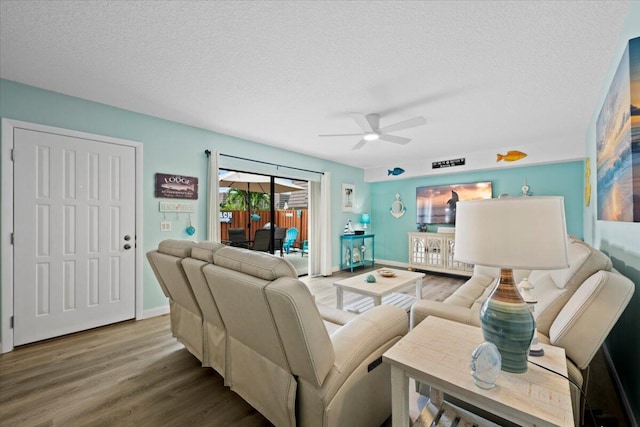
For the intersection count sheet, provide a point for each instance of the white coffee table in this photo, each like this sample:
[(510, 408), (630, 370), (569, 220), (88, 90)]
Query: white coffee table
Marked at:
[(381, 291)]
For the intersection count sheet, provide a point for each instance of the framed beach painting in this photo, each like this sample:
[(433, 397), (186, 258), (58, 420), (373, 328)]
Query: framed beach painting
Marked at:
[(618, 142), (348, 197)]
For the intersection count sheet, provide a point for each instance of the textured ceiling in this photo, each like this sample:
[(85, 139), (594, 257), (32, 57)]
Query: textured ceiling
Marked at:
[(484, 74)]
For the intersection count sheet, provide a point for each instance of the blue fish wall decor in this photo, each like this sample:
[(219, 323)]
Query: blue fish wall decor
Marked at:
[(396, 171)]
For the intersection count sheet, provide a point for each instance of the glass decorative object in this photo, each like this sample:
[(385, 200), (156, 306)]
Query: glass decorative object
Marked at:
[(486, 363)]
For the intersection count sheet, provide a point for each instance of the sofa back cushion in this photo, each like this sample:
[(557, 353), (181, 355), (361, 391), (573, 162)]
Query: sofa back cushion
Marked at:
[(166, 264), (243, 306), (177, 248), (306, 341), (204, 251), (583, 262), (258, 264), (553, 288)]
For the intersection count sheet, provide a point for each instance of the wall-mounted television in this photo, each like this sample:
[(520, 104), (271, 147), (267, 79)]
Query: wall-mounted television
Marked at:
[(436, 204)]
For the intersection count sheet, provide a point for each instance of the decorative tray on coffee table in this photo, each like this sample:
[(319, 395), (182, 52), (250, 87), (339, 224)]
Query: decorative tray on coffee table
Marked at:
[(385, 272)]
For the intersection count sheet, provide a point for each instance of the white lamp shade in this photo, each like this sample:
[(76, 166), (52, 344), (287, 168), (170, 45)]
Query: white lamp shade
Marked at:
[(518, 233)]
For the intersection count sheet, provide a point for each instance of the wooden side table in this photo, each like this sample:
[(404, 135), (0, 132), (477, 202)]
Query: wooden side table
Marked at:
[(437, 352)]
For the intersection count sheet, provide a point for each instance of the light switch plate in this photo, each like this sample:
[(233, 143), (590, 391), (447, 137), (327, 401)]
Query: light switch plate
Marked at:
[(165, 226)]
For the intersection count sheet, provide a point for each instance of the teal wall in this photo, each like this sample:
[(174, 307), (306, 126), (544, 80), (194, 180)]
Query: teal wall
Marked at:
[(559, 179), (621, 241), (169, 147)]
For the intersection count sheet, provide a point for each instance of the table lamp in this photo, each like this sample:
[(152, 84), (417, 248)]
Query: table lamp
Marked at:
[(364, 220), (512, 233)]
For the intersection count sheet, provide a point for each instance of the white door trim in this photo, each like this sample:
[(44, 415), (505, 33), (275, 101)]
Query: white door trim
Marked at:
[(6, 216)]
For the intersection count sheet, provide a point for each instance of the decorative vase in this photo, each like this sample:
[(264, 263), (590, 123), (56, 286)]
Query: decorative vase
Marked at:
[(508, 323)]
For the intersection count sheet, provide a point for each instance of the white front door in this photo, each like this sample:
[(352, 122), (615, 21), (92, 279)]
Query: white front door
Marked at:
[(74, 234)]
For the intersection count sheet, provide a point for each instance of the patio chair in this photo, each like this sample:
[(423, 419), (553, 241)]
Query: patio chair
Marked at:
[(290, 239), (261, 240), (305, 247), (278, 239), (237, 237)]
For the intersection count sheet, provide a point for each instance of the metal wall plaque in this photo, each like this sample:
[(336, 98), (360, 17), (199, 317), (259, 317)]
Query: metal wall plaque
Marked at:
[(176, 186), (448, 163)]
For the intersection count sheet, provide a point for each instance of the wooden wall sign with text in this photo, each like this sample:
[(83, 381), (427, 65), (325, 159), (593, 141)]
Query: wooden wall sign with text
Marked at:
[(448, 163), (176, 186)]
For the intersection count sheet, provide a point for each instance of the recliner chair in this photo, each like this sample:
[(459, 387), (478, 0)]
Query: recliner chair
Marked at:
[(214, 333), (280, 357), (186, 316)]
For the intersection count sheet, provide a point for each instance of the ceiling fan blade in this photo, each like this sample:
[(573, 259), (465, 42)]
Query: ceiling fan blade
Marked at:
[(394, 139), (359, 144), (367, 122), (343, 134), (417, 121)]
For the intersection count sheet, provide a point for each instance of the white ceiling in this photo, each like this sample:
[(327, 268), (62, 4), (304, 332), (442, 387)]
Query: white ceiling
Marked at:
[(484, 74)]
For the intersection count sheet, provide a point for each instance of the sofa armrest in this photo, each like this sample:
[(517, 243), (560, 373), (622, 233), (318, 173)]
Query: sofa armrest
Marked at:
[(334, 315), (423, 308), (366, 333), (364, 338)]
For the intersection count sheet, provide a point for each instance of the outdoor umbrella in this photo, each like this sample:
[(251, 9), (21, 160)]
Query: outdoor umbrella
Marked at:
[(250, 182)]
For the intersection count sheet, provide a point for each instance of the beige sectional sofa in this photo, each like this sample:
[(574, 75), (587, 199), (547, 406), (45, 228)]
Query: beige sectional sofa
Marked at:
[(256, 324), (576, 308)]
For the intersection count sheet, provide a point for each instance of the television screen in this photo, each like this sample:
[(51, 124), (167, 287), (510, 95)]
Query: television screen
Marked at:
[(437, 204)]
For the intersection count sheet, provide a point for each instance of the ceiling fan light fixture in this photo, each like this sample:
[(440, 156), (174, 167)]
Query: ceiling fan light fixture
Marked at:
[(371, 136)]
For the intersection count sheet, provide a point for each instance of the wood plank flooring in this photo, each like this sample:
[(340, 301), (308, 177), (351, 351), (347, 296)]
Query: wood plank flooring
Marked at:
[(131, 373), (128, 374), (137, 374)]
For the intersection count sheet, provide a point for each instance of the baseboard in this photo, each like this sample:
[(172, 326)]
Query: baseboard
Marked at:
[(617, 384), (158, 311), (392, 263), (336, 268)]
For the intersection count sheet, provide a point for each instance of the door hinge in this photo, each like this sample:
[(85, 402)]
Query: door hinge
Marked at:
[(11, 322), (12, 238), (12, 155)]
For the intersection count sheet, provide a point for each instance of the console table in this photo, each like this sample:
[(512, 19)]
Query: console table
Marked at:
[(434, 252), (437, 352), (356, 250)]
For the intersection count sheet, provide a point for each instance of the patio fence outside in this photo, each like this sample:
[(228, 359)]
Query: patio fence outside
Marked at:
[(297, 218)]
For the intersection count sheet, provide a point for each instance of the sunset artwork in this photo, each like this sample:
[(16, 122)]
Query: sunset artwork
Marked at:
[(437, 204), (618, 142)]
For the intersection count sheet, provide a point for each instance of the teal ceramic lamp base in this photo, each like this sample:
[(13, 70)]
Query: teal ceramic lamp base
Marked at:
[(508, 323)]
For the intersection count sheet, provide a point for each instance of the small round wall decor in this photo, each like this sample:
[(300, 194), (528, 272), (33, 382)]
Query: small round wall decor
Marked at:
[(397, 207)]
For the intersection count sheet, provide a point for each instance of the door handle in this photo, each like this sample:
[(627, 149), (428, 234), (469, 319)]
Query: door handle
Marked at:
[(127, 237), (127, 246)]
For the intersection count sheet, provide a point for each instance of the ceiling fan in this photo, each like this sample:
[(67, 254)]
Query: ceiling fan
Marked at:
[(370, 125)]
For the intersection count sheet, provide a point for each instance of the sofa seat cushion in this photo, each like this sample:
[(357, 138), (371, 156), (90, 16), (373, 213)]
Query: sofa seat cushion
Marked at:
[(257, 264), (474, 291)]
